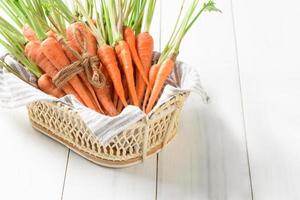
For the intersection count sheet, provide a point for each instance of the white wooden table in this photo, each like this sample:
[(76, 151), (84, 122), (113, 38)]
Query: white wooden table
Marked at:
[(244, 145)]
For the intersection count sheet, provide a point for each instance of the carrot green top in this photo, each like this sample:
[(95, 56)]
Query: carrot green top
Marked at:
[(148, 15), (173, 45), (14, 41), (97, 28)]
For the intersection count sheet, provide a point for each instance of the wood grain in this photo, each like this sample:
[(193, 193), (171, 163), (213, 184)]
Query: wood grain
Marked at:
[(85, 180), (32, 165), (208, 160), (268, 46)]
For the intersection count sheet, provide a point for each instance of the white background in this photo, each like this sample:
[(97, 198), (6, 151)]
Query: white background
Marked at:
[(244, 145)]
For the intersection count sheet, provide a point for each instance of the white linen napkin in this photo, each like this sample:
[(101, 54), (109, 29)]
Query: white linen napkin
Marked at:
[(15, 93)]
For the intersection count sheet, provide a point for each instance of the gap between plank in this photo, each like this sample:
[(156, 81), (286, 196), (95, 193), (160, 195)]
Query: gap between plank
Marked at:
[(157, 156), (241, 94), (65, 175), (156, 177)]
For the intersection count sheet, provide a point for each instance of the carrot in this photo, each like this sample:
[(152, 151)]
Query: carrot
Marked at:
[(108, 57), (68, 53), (129, 37), (108, 81), (119, 103), (45, 84), (171, 51), (29, 33), (119, 106), (123, 52), (126, 89), (84, 79), (115, 98), (49, 68), (162, 75), (104, 98), (72, 35), (145, 45), (33, 52), (72, 43), (109, 86), (152, 77), (51, 34), (77, 31), (60, 60), (106, 53)]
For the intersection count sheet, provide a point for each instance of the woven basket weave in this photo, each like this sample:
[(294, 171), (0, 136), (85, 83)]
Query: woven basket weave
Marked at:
[(132, 146)]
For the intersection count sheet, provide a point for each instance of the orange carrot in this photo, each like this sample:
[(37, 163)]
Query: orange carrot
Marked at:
[(119, 106), (145, 45), (51, 34), (104, 97), (29, 33), (152, 77), (119, 103), (55, 53), (108, 57), (129, 37), (162, 75), (126, 89), (77, 34), (78, 31), (45, 84), (68, 53), (48, 67), (72, 43), (108, 81), (115, 98), (123, 52), (84, 79), (72, 33), (33, 51)]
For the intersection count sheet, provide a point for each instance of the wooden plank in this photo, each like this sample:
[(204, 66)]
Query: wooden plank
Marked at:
[(85, 180), (208, 159), (268, 47), (32, 165)]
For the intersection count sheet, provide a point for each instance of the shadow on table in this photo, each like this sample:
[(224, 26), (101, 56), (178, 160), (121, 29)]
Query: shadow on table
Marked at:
[(208, 158)]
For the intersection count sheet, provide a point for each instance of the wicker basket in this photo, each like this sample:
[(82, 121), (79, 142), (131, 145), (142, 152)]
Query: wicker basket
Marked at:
[(145, 138)]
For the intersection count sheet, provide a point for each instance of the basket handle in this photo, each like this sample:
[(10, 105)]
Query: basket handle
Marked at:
[(146, 136), (172, 122)]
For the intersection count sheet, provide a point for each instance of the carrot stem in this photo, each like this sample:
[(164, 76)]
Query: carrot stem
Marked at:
[(148, 15)]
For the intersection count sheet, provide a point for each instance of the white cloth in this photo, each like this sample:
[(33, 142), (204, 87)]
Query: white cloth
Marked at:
[(15, 93)]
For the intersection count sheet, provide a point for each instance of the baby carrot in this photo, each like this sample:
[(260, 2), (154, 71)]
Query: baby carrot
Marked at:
[(123, 52), (45, 84), (59, 60), (152, 77), (108, 57), (162, 75), (145, 45)]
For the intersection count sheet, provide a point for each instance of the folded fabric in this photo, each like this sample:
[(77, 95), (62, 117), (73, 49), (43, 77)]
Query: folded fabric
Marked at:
[(18, 67), (15, 93)]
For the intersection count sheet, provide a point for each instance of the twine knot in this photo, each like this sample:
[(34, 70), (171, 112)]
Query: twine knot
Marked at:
[(85, 63)]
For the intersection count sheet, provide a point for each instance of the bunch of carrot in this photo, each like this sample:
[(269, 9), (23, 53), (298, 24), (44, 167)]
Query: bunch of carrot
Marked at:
[(112, 36)]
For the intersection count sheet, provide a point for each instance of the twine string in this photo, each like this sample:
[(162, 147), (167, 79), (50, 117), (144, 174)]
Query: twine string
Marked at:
[(85, 63)]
